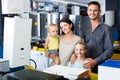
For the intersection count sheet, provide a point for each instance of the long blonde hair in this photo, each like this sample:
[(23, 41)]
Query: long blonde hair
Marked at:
[(81, 43)]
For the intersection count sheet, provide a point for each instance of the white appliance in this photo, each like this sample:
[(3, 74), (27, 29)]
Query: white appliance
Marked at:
[(15, 6), (17, 38), (38, 60), (109, 70)]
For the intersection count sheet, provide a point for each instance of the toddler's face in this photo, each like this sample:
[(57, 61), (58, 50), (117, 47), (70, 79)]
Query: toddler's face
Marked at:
[(80, 50), (53, 31)]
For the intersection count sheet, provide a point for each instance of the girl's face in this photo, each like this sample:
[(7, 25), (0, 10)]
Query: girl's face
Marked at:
[(65, 27), (79, 50), (53, 31)]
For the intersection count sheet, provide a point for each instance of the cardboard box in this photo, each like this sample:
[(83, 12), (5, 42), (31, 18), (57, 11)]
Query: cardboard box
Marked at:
[(67, 72), (109, 70)]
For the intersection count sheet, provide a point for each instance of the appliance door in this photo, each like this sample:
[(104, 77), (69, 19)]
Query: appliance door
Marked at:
[(55, 17), (43, 22), (76, 19), (35, 26), (39, 22)]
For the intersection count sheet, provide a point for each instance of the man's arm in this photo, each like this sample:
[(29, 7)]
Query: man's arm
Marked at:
[(108, 47)]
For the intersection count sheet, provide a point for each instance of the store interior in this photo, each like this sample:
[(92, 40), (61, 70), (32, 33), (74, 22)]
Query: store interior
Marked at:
[(23, 30)]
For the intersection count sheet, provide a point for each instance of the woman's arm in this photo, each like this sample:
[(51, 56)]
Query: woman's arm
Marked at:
[(73, 58), (46, 46)]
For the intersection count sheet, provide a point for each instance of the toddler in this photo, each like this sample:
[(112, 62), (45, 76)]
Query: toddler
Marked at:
[(52, 43)]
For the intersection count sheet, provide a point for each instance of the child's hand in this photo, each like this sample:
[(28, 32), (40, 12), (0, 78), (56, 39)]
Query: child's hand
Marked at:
[(46, 54)]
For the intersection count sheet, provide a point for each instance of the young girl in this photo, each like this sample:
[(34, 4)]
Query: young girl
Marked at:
[(51, 43), (79, 52)]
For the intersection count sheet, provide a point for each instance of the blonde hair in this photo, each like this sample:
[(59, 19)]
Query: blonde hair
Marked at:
[(82, 43), (52, 25)]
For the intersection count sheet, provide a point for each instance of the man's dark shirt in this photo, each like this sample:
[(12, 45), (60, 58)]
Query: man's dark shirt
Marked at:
[(99, 42)]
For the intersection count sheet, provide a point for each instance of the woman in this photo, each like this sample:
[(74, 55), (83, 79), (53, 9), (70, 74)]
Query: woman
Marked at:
[(67, 41)]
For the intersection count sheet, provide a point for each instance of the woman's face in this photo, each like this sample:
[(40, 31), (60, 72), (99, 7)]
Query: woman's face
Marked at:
[(65, 27)]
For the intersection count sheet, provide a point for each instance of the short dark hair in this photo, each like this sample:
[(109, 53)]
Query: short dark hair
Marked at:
[(67, 20), (94, 3)]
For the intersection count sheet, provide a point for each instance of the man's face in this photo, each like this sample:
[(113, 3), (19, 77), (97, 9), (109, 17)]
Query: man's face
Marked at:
[(93, 12)]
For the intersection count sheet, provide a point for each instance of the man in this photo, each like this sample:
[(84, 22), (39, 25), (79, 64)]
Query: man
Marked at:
[(98, 37)]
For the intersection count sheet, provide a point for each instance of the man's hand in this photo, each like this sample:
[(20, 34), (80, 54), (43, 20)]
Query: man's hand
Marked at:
[(90, 64)]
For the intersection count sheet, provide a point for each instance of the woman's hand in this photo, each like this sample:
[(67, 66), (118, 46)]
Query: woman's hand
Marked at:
[(73, 58)]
